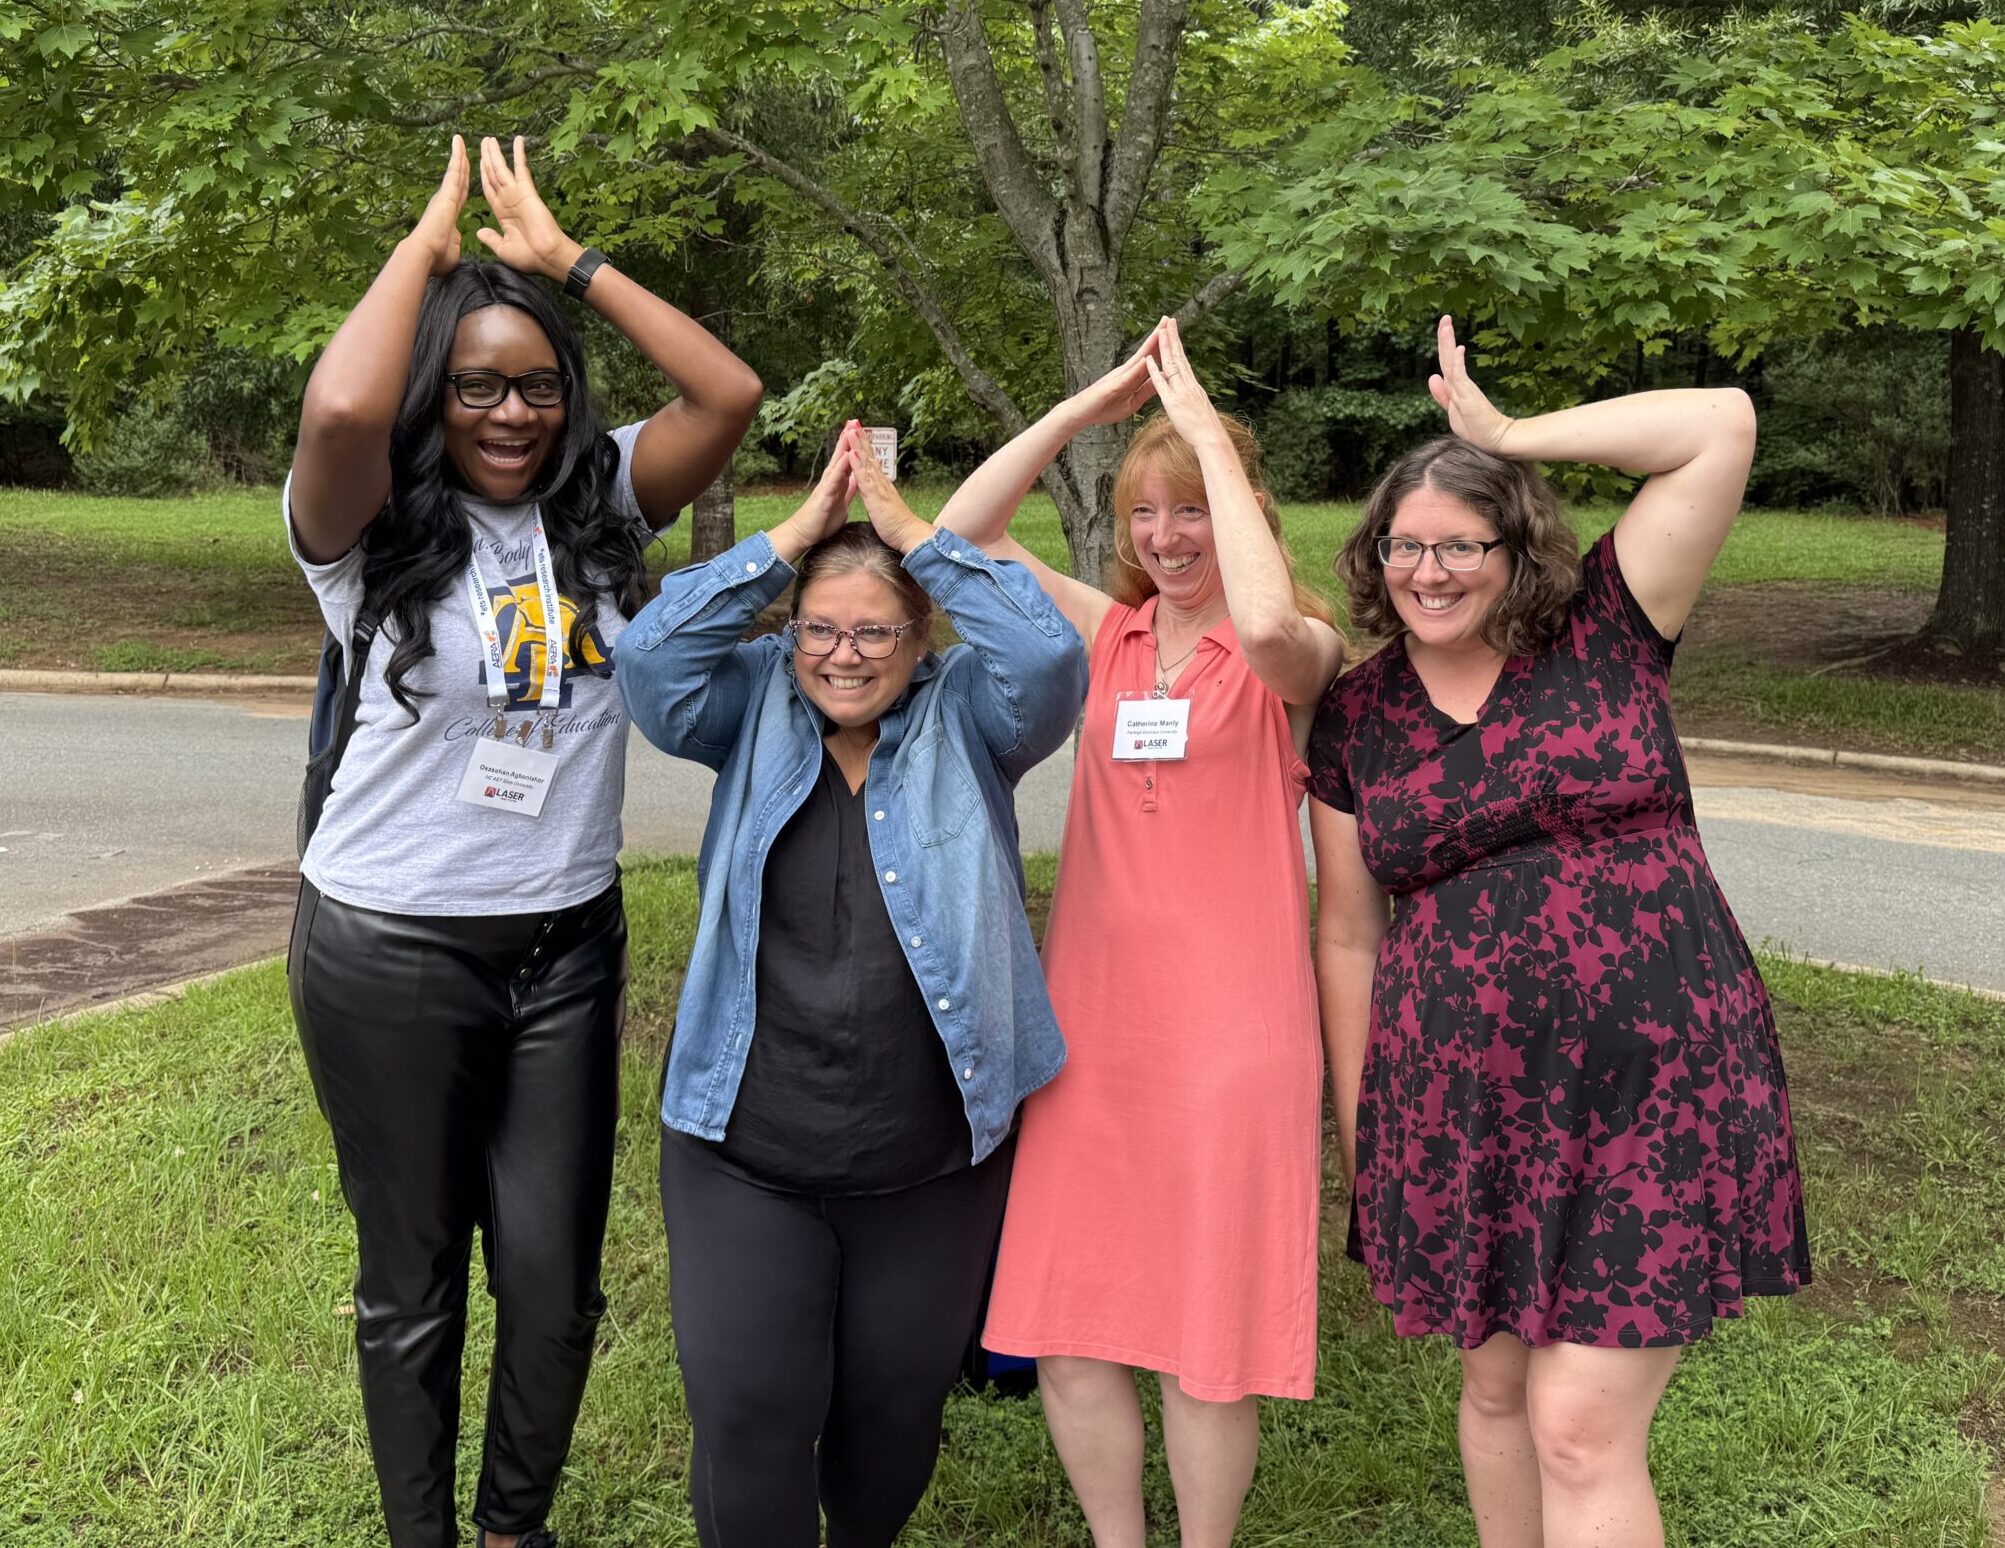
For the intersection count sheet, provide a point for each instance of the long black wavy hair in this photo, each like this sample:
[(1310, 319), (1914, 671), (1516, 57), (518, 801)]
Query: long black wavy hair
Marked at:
[(416, 550)]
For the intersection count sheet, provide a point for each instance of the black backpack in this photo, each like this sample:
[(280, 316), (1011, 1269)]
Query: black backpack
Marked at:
[(335, 696)]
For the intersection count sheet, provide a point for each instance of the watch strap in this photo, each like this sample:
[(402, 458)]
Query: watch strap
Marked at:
[(582, 271)]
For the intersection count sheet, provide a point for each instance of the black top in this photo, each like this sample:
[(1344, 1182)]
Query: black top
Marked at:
[(847, 1086)]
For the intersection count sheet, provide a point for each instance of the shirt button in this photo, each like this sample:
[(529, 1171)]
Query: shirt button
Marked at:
[(878, 815), (953, 553), (751, 568), (968, 1073), (945, 1003), (1148, 784), (916, 941), (891, 876)]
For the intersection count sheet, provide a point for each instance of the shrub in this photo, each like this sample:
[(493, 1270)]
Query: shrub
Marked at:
[(1859, 419), (146, 451), (1321, 441)]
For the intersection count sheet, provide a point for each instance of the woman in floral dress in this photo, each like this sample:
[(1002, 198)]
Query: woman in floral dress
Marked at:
[(1556, 1072)]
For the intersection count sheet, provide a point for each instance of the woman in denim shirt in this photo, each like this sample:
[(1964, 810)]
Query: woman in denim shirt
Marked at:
[(864, 1008)]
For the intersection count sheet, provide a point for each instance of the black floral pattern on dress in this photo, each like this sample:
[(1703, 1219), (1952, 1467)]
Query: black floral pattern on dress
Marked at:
[(1573, 1125)]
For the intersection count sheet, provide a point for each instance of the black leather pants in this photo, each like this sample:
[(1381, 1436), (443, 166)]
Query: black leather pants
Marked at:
[(469, 1068)]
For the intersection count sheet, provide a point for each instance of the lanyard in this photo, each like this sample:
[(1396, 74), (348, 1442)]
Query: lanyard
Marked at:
[(493, 671)]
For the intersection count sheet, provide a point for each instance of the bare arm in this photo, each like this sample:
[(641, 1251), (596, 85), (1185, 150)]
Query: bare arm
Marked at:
[(1696, 444), (1352, 914), (1295, 656), (981, 508), (685, 444), (341, 469)]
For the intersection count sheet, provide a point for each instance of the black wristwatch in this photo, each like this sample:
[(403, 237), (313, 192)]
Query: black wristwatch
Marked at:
[(582, 272)]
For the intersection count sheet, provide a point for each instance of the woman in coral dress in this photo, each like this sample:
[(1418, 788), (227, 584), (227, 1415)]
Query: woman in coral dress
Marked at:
[(1163, 1214)]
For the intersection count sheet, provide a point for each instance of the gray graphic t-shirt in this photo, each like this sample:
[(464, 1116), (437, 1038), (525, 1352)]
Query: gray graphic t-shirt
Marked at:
[(394, 835)]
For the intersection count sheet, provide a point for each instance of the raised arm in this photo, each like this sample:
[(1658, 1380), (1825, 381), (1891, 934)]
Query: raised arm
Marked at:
[(341, 469), (1352, 914), (981, 508), (684, 671), (1695, 443), (1024, 676), (1295, 656), (685, 444)]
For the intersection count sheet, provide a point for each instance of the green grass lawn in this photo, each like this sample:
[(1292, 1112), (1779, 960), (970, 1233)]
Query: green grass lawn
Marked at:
[(237, 533), (176, 1349), (205, 584)]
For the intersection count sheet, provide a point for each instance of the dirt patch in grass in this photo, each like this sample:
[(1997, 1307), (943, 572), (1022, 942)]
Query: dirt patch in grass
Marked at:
[(1832, 631), (78, 611)]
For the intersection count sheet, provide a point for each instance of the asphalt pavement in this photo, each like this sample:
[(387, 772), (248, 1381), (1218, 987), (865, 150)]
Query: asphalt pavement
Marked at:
[(105, 798)]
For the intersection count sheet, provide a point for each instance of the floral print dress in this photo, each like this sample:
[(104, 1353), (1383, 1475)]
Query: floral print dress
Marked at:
[(1573, 1125)]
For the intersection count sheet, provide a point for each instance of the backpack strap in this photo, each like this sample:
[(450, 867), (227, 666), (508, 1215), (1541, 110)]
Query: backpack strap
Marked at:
[(366, 624)]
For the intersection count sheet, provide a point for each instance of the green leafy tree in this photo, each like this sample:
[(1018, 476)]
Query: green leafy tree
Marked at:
[(1624, 191), (995, 188)]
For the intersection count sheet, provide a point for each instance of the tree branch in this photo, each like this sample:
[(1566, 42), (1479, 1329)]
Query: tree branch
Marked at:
[(450, 109), (987, 392), (1053, 75), (1209, 295), (1013, 184), (1089, 97), (1145, 117)]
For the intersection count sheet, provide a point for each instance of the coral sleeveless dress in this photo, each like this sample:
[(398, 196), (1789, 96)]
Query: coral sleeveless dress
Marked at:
[(1164, 1208)]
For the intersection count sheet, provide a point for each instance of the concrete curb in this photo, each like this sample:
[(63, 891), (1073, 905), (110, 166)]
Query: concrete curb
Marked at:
[(213, 684), (1877, 763), (159, 994), (208, 684)]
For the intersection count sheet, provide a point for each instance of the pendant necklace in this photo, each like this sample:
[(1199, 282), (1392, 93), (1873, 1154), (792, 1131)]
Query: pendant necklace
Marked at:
[(1162, 688)]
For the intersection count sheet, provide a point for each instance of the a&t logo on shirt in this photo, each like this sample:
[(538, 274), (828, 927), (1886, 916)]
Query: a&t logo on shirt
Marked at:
[(518, 618)]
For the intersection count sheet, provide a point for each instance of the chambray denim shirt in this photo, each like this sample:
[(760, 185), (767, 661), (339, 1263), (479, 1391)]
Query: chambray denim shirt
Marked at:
[(941, 792)]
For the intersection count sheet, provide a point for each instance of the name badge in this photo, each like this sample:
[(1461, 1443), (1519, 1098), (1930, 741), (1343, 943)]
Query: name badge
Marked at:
[(1147, 730), (507, 777)]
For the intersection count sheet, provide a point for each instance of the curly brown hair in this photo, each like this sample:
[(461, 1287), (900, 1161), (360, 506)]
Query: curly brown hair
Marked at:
[(1515, 499), (1157, 445)]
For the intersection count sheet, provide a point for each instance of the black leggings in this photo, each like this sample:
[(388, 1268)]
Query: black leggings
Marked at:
[(818, 1337), (469, 1068)]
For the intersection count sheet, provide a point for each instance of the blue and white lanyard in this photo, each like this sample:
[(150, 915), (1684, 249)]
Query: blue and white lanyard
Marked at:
[(493, 671)]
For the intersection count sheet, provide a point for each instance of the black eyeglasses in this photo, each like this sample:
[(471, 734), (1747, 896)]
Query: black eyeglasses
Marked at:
[(487, 389), (1398, 553), (820, 639)]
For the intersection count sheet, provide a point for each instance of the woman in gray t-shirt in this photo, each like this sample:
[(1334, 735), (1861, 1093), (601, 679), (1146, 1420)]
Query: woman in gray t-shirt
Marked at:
[(458, 963)]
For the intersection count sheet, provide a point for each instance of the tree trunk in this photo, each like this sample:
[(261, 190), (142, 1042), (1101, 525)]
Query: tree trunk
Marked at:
[(1081, 483), (1081, 480), (713, 519), (1969, 614)]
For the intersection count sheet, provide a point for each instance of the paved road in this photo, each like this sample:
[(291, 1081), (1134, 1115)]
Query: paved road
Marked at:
[(103, 798)]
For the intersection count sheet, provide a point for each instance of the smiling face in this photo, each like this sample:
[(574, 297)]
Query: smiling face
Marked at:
[(1171, 533), (1445, 608), (850, 688), (500, 451)]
